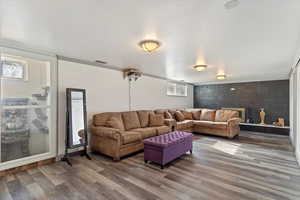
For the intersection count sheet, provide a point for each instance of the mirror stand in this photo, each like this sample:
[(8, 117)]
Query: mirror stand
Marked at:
[(76, 123)]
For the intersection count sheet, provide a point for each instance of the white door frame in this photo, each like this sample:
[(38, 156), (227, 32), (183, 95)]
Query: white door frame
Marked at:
[(297, 109)]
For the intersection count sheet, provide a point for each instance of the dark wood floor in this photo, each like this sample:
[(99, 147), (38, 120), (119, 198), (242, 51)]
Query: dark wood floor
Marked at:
[(252, 166)]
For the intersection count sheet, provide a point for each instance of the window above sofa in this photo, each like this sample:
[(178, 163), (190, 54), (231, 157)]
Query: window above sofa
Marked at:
[(176, 89)]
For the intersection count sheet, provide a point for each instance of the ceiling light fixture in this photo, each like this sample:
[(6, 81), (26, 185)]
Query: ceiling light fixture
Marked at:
[(200, 68), (230, 4), (149, 45), (221, 76)]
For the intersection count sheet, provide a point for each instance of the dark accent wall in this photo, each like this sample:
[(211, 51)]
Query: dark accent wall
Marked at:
[(273, 96)]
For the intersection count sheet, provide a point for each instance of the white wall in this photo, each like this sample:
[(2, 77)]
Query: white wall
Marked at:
[(108, 91), (151, 93)]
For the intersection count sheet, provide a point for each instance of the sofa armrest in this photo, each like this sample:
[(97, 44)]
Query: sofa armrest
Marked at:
[(233, 127), (103, 131), (170, 122), (234, 121)]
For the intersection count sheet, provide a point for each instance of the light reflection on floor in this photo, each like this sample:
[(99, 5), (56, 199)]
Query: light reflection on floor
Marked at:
[(226, 147)]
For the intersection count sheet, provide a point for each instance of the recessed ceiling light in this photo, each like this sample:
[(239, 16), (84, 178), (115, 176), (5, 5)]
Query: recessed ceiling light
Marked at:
[(149, 45), (221, 76), (200, 68)]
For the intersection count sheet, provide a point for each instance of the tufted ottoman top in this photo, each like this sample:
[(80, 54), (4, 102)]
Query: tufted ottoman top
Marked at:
[(167, 139)]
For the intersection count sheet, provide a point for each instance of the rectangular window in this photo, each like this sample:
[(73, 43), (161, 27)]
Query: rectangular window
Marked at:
[(12, 68), (176, 89)]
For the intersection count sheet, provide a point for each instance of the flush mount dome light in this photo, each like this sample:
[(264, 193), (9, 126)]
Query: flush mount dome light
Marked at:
[(200, 68), (230, 4), (221, 76), (149, 45)]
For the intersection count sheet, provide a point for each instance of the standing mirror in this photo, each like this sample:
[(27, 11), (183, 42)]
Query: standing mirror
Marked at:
[(76, 122)]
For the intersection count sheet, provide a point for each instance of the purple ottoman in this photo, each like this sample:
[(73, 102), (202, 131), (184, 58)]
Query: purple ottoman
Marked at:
[(165, 148)]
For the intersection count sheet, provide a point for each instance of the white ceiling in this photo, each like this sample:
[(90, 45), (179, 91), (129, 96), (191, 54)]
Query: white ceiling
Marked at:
[(255, 41)]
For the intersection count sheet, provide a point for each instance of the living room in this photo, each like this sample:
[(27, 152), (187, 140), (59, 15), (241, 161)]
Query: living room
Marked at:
[(142, 100)]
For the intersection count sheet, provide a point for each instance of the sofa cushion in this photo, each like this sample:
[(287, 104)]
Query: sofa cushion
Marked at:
[(131, 137), (196, 115), (114, 122), (179, 116), (144, 117), (207, 115), (163, 129), (146, 132), (186, 124), (156, 120), (160, 111), (187, 115), (101, 119), (210, 124), (131, 120), (225, 115), (164, 112)]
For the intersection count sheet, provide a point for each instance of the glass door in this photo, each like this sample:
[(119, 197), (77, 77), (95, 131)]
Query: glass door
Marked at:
[(27, 107)]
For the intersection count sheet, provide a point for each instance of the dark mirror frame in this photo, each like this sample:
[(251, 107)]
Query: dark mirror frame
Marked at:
[(69, 118), (69, 130)]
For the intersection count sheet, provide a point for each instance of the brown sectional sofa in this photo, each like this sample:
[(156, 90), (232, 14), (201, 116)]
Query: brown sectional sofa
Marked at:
[(133, 127), (214, 122), (117, 134)]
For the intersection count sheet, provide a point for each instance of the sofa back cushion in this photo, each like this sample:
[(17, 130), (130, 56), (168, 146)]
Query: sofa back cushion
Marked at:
[(187, 115), (114, 122), (225, 115), (179, 116), (102, 118), (144, 117), (164, 112), (160, 111), (207, 115), (196, 115), (156, 120), (131, 120)]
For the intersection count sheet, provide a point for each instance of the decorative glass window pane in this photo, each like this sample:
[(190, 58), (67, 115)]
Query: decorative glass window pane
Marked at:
[(171, 89), (176, 89), (181, 90), (12, 68)]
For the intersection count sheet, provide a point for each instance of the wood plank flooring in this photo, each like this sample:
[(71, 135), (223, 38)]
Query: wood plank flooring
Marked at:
[(252, 166)]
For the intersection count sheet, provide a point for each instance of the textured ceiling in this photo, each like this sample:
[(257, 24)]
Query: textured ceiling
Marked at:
[(257, 40)]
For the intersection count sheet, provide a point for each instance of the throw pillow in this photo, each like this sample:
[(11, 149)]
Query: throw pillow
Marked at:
[(179, 116), (172, 112), (114, 122), (168, 115), (156, 120), (196, 115), (187, 115)]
